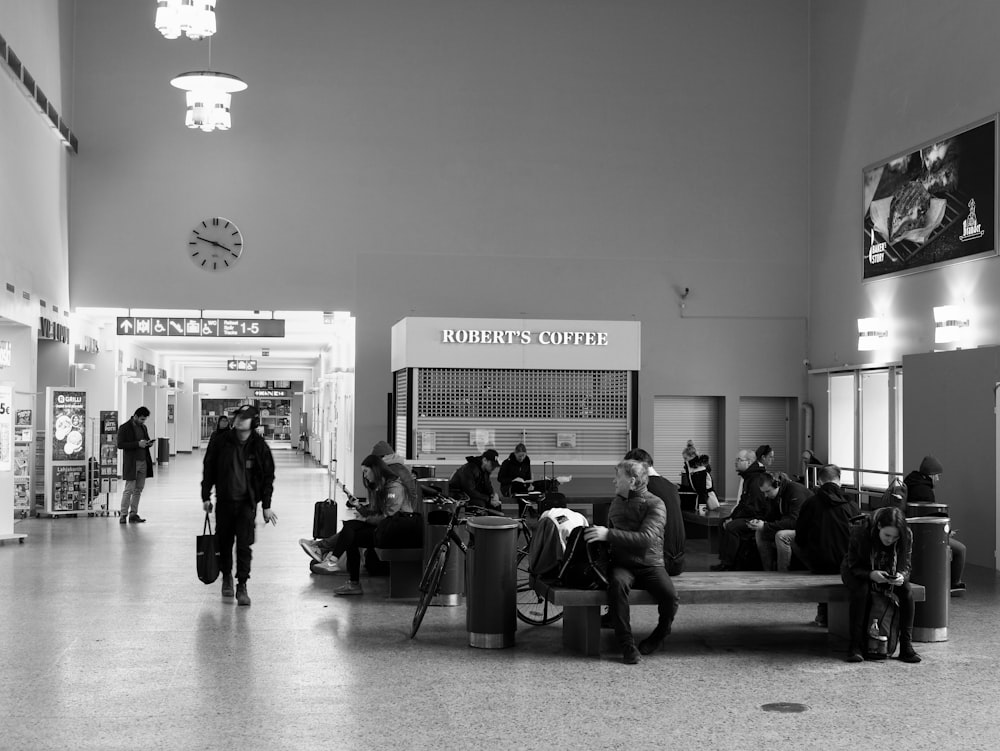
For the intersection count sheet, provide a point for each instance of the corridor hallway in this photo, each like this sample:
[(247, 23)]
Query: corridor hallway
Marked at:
[(109, 641)]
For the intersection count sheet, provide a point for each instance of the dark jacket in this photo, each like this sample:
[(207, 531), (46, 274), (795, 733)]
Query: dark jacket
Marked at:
[(673, 529), (512, 468), (823, 528), (635, 529), (919, 488), (129, 435), (219, 467), (752, 503), (858, 561), (405, 475), (472, 480), (786, 506), (699, 479)]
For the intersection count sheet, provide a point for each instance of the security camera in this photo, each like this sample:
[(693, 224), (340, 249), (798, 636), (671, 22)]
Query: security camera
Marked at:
[(806, 363)]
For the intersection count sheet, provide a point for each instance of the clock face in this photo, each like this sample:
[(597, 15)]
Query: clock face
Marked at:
[(216, 244)]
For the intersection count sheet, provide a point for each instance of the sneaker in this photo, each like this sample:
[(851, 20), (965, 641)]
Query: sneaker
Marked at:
[(136, 519), (327, 566), (227, 585), (719, 567), (351, 588), (854, 655), (123, 519), (631, 655), (242, 598), (958, 590), (312, 549)]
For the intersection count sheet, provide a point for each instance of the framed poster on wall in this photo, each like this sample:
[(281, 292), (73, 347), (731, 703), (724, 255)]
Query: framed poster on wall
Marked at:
[(931, 205)]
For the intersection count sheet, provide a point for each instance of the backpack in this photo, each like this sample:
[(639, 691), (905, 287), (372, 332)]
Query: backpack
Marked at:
[(883, 609), (894, 495), (585, 564), (546, 551)]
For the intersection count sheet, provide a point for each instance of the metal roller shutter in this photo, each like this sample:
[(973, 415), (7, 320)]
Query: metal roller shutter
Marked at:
[(678, 419), (402, 406), (765, 419)]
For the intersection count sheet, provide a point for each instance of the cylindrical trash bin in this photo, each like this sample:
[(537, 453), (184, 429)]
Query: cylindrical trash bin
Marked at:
[(929, 567), (452, 581), (420, 471), (926, 509), (162, 450), (491, 582)]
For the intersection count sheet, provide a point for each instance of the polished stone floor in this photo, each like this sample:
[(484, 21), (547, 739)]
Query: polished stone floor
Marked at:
[(109, 641)]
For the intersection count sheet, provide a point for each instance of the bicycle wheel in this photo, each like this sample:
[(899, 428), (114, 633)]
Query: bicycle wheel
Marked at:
[(429, 584), (530, 607)]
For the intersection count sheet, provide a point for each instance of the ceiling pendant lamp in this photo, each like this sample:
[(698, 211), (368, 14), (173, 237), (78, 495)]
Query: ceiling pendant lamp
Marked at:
[(196, 18), (209, 94)]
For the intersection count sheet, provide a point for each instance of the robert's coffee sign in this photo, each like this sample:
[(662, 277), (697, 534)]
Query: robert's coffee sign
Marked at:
[(557, 338)]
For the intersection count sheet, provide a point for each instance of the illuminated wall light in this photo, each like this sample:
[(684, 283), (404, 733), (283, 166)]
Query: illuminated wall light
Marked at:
[(950, 323), (873, 333)]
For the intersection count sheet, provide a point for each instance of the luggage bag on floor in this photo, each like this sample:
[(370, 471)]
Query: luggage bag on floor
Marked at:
[(324, 519)]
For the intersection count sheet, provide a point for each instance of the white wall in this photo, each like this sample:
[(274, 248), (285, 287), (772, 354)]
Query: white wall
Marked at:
[(470, 158), (34, 165)]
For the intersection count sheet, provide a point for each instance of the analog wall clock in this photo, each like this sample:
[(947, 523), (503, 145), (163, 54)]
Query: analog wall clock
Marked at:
[(216, 244)]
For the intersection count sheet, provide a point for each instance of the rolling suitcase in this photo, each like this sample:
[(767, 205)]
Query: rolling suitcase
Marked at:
[(324, 519)]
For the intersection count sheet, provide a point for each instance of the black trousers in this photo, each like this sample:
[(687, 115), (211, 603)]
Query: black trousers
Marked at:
[(655, 580), (858, 589), (354, 535), (235, 522), (731, 535)]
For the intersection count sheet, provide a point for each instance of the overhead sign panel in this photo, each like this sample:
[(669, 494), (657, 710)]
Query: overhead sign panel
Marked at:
[(241, 365), (222, 328)]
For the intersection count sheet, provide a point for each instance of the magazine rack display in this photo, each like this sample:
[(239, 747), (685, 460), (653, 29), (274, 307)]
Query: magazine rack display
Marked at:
[(67, 486)]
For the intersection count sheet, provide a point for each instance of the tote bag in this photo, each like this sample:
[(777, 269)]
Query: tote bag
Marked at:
[(206, 554)]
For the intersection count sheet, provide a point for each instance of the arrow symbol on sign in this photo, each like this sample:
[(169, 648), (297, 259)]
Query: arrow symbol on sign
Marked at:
[(126, 326)]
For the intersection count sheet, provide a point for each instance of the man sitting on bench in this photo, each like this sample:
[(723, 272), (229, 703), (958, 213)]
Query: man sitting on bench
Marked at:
[(635, 536)]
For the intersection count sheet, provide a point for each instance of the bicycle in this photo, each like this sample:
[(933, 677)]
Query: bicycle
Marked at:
[(531, 608), (430, 580)]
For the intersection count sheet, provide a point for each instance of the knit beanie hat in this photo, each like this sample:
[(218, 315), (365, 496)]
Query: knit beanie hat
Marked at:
[(382, 448), (930, 466)]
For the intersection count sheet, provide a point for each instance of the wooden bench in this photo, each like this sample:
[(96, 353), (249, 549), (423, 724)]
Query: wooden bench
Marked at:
[(582, 607), (405, 568)]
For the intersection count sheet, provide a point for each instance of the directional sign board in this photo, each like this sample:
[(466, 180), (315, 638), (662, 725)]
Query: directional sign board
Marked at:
[(241, 365), (222, 328)]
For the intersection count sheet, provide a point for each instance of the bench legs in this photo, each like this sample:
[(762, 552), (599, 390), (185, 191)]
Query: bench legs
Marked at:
[(581, 630), (404, 579), (838, 623)]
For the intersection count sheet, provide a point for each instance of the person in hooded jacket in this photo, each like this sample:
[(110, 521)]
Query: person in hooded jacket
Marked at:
[(920, 489), (397, 464), (473, 480), (879, 554), (736, 530), (635, 535), (822, 531), (515, 468)]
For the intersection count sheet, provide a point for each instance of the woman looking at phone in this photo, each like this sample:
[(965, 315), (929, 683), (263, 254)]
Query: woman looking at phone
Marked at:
[(388, 520), (879, 555)]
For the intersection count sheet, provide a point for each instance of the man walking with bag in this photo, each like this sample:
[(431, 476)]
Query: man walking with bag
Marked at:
[(239, 465)]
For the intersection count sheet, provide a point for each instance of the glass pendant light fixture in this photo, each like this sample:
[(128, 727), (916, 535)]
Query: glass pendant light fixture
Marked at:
[(209, 94), (195, 18)]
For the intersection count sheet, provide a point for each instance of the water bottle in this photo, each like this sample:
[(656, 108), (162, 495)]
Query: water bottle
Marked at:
[(878, 643)]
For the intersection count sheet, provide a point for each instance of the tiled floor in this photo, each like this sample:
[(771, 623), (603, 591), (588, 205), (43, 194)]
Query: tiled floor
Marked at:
[(109, 641)]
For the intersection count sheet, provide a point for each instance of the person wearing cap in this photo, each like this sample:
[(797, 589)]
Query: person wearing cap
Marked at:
[(920, 489), (473, 480), (396, 463), (515, 468)]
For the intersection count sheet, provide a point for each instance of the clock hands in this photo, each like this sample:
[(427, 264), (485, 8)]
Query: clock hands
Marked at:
[(218, 245)]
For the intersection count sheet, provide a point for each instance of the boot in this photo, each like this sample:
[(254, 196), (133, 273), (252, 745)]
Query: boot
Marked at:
[(906, 651), (630, 655), (227, 585), (854, 654), (242, 598), (655, 640)]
